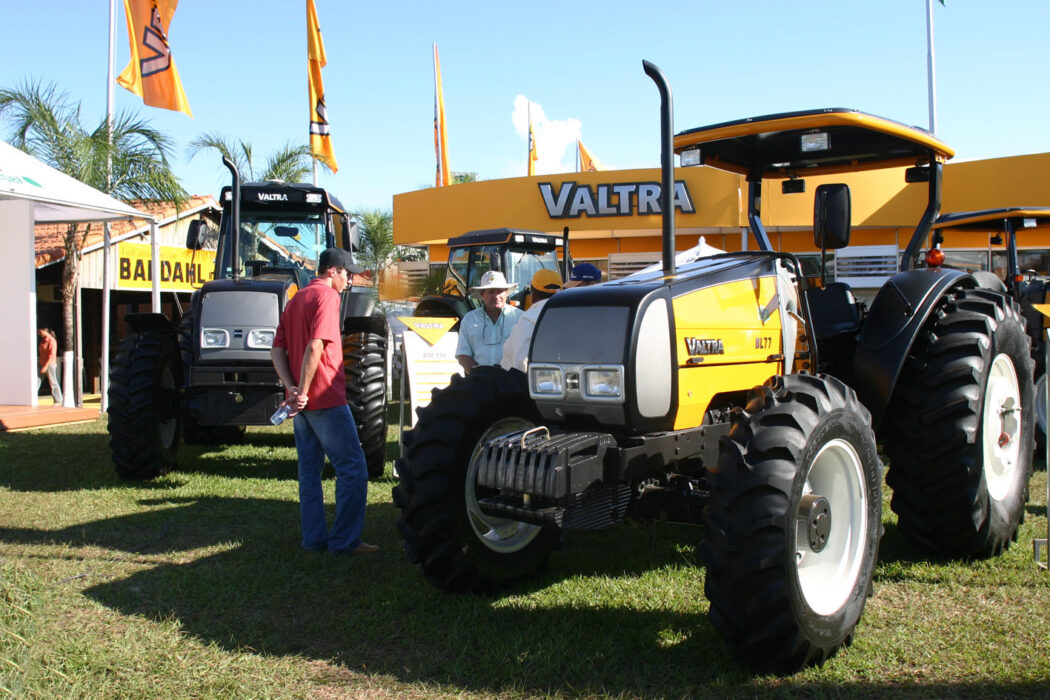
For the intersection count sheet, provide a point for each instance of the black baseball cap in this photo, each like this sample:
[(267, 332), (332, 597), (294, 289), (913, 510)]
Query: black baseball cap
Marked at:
[(337, 257)]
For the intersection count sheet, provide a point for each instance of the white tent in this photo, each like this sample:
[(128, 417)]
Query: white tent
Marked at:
[(32, 192)]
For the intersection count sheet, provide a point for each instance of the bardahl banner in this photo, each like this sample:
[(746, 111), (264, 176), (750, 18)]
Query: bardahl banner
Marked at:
[(181, 270)]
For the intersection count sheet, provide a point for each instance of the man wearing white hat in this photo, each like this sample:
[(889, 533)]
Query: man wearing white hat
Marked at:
[(483, 331)]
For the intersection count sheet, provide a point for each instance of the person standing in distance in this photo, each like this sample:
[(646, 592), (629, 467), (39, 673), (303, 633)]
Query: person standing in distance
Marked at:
[(483, 331), (308, 356), (47, 358)]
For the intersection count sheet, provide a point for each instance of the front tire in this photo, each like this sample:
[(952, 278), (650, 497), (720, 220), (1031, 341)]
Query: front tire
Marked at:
[(962, 424), (364, 366), (145, 421), (458, 547), (793, 524)]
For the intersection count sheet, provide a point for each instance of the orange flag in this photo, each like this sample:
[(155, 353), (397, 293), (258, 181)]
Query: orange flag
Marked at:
[(320, 132), (588, 163), (151, 72), (443, 176), (533, 156)]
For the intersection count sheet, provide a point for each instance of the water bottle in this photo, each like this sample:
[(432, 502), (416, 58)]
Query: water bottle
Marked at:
[(280, 414)]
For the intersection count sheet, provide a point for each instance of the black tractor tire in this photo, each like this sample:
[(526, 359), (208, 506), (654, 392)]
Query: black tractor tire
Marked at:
[(192, 432), (458, 547), (793, 524), (961, 428), (364, 364), (145, 420)]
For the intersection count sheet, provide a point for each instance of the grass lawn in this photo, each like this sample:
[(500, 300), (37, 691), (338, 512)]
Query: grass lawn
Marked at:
[(194, 586)]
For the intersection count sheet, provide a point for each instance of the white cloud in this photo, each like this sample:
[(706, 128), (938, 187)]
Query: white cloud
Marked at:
[(555, 138)]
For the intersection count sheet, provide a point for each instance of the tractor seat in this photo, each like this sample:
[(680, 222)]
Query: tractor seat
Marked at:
[(833, 310)]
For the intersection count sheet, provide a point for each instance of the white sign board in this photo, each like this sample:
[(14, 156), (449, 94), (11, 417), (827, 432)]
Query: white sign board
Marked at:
[(430, 359)]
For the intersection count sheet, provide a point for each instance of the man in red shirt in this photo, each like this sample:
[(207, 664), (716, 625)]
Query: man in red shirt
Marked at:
[(308, 356), (47, 363)]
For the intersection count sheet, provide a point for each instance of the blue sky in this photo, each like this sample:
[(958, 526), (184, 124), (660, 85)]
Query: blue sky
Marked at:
[(243, 66)]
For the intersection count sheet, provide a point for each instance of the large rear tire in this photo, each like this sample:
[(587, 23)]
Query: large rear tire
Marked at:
[(793, 524), (145, 421), (364, 364), (458, 547), (962, 428)]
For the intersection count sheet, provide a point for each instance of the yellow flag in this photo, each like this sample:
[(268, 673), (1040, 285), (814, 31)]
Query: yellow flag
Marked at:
[(532, 151), (151, 72), (588, 163), (443, 176), (320, 133)]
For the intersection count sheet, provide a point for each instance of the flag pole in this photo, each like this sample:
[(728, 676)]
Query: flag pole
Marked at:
[(437, 127), (930, 73), (104, 371)]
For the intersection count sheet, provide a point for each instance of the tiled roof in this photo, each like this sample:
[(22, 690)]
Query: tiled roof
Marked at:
[(49, 237)]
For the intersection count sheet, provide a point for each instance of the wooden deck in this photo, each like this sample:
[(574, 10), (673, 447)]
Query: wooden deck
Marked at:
[(15, 418)]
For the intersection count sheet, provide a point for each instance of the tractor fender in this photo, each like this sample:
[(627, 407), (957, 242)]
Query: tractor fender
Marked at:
[(443, 306), (148, 321), (897, 314), (376, 324)]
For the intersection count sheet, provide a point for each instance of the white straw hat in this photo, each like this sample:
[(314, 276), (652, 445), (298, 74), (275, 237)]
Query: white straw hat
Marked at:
[(493, 280)]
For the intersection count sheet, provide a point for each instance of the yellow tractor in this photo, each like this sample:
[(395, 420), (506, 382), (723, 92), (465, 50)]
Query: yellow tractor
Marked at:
[(728, 392)]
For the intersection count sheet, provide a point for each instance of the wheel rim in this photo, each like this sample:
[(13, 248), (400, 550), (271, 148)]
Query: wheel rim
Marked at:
[(1040, 403), (827, 577), (1002, 427), (498, 534), (167, 428)]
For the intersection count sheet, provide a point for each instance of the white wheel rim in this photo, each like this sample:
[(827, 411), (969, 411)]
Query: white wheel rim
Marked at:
[(827, 578), (498, 534), (1002, 427), (1040, 402)]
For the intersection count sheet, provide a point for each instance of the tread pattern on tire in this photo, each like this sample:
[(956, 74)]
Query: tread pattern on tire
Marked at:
[(933, 436), (432, 521), (136, 405), (364, 364), (750, 523)]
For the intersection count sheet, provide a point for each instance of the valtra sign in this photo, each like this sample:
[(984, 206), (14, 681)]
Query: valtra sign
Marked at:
[(571, 200)]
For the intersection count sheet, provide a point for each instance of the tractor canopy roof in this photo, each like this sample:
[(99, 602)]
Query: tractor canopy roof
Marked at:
[(276, 193), (994, 219), (813, 142), (497, 236)]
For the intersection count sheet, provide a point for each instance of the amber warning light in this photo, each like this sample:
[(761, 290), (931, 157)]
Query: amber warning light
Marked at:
[(934, 257)]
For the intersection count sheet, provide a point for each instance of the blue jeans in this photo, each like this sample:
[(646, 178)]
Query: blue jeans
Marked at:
[(52, 379), (331, 432)]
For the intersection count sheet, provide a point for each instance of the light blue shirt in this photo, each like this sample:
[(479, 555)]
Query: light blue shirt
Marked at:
[(482, 339)]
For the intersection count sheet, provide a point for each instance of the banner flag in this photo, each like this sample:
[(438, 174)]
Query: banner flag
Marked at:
[(151, 73), (443, 177), (532, 150), (320, 132), (588, 163)]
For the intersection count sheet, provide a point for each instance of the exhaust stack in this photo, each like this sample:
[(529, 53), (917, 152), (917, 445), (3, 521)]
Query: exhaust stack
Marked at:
[(235, 215), (666, 164)]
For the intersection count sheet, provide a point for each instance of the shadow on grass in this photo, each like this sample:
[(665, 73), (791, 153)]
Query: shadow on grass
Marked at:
[(377, 613)]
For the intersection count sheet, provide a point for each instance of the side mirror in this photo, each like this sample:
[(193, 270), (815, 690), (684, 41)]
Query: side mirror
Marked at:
[(917, 174), (353, 235), (831, 216), (195, 234)]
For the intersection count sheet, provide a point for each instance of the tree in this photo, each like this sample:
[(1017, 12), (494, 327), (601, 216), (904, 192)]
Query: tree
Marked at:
[(378, 250), (289, 163), (129, 160)]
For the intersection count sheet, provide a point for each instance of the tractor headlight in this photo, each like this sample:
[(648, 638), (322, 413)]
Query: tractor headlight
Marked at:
[(215, 338), (603, 383), (546, 381), (261, 337)]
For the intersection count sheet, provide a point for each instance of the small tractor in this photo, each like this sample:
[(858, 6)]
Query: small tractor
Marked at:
[(208, 375), (517, 253), (1025, 286), (731, 393)]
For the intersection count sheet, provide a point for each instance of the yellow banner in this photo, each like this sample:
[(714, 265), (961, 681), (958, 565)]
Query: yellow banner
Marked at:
[(320, 131), (430, 328), (151, 72), (181, 270)]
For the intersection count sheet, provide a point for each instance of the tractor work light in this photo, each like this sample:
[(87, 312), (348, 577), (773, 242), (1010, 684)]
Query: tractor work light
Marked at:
[(215, 338), (603, 383), (314, 198), (546, 381), (1028, 223), (691, 157), (815, 142), (261, 338)]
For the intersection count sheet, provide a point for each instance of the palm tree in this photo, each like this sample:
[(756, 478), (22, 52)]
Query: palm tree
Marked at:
[(377, 242), (128, 160), (289, 163)]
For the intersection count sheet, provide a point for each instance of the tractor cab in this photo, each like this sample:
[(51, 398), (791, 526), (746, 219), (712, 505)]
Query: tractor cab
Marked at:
[(517, 253)]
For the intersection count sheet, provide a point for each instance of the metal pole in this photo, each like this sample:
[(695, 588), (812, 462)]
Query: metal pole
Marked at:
[(930, 72), (154, 265), (104, 371)]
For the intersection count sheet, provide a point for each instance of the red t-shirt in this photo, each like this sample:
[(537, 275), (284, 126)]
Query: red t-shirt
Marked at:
[(46, 351), (314, 313)]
